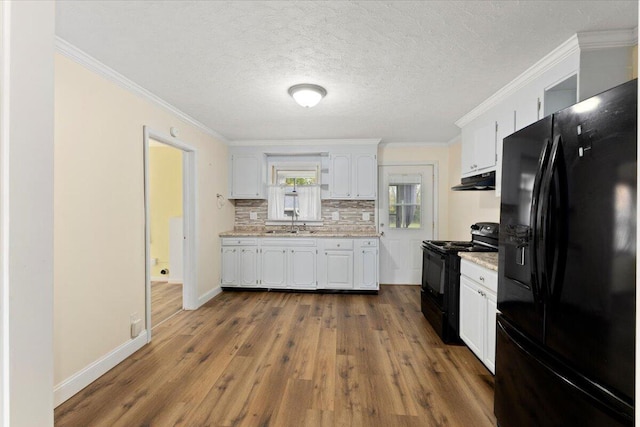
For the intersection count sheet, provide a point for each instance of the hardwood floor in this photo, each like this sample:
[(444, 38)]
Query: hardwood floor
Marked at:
[(166, 300), (290, 359)]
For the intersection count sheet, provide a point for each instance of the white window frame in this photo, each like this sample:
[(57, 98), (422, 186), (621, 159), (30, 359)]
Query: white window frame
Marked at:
[(295, 166)]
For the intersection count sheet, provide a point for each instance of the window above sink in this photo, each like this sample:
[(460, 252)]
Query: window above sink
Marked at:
[(294, 190)]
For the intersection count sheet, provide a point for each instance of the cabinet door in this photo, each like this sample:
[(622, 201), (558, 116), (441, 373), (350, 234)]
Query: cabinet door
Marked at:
[(367, 268), (365, 176), (248, 267), (505, 127), (340, 176), (273, 267), (339, 269), (485, 147), (302, 268), (472, 316), (527, 110), (229, 276), (490, 330), (246, 176), (468, 151)]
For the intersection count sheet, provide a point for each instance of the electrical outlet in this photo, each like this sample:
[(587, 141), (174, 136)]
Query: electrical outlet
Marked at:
[(136, 324), (366, 216), (335, 216), (136, 328), (253, 215)]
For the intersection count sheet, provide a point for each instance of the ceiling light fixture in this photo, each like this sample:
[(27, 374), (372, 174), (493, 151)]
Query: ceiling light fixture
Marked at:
[(307, 95)]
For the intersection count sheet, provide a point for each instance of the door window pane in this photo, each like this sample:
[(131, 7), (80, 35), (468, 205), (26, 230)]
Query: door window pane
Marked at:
[(405, 201)]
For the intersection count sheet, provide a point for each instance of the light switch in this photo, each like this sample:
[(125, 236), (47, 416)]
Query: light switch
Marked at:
[(335, 216), (366, 216), (253, 215)]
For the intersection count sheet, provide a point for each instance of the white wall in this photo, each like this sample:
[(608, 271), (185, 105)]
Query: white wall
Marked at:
[(99, 270), (26, 213)]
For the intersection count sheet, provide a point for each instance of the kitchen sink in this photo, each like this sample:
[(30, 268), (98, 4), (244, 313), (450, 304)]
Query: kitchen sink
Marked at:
[(301, 232)]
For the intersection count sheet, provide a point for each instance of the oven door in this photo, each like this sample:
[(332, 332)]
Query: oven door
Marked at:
[(433, 273)]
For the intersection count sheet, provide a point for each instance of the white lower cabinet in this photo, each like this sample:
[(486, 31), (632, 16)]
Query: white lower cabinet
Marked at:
[(302, 268), (273, 267), (478, 287), (366, 264), (300, 263), (239, 262), (338, 269)]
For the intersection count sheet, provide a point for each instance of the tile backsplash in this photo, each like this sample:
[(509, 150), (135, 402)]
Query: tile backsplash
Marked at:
[(349, 211)]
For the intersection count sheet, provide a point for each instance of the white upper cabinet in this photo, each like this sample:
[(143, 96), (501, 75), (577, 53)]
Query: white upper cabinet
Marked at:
[(504, 127), (348, 168), (247, 170), (479, 148), (365, 176), (340, 173), (527, 109), (353, 176)]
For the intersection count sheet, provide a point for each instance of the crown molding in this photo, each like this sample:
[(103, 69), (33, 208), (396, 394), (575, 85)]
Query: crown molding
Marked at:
[(72, 52), (576, 43), (608, 39), (556, 56), (304, 142)]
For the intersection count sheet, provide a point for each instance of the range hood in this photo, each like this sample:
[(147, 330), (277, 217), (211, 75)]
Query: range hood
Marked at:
[(482, 182)]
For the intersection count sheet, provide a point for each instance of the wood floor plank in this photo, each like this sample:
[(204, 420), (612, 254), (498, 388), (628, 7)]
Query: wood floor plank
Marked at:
[(289, 359)]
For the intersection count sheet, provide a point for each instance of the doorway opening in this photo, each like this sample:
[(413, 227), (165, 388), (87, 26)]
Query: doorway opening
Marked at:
[(170, 227)]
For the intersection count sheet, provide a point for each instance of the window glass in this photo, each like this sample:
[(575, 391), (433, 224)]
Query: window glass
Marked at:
[(405, 202), (294, 194)]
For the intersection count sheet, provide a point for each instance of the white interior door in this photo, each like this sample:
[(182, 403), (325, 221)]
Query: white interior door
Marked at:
[(406, 206)]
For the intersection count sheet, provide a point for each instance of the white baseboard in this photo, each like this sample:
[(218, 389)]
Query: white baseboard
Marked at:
[(159, 278), (175, 280), (209, 295), (86, 376)]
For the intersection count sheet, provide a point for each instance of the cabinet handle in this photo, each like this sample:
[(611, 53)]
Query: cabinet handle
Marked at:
[(238, 241), (234, 250), (283, 251), (482, 278)]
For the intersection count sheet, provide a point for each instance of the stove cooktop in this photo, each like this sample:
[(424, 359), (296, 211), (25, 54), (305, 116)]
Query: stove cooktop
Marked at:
[(456, 246)]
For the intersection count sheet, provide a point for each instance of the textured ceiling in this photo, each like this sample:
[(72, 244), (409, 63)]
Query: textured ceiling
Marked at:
[(400, 71)]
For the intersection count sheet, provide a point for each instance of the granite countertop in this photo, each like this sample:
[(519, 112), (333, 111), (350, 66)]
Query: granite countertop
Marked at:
[(486, 259), (307, 233)]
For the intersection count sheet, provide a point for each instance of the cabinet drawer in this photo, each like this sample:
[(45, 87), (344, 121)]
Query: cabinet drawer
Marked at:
[(367, 243), (288, 242), (479, 274), (337, 244), (239, 241)]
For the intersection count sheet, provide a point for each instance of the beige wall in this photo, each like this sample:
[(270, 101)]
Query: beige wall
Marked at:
[(165, 200), (467, 207), (424, 153), (99, 261)]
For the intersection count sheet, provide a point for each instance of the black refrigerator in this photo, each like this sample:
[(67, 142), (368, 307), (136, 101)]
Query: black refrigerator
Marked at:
[(565, 352)]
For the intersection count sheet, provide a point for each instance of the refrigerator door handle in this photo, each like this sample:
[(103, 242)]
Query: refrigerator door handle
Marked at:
[(543, 220), (533, 219)]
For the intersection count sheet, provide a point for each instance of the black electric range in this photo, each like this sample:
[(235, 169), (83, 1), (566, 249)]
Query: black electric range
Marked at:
[(440, 293)]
